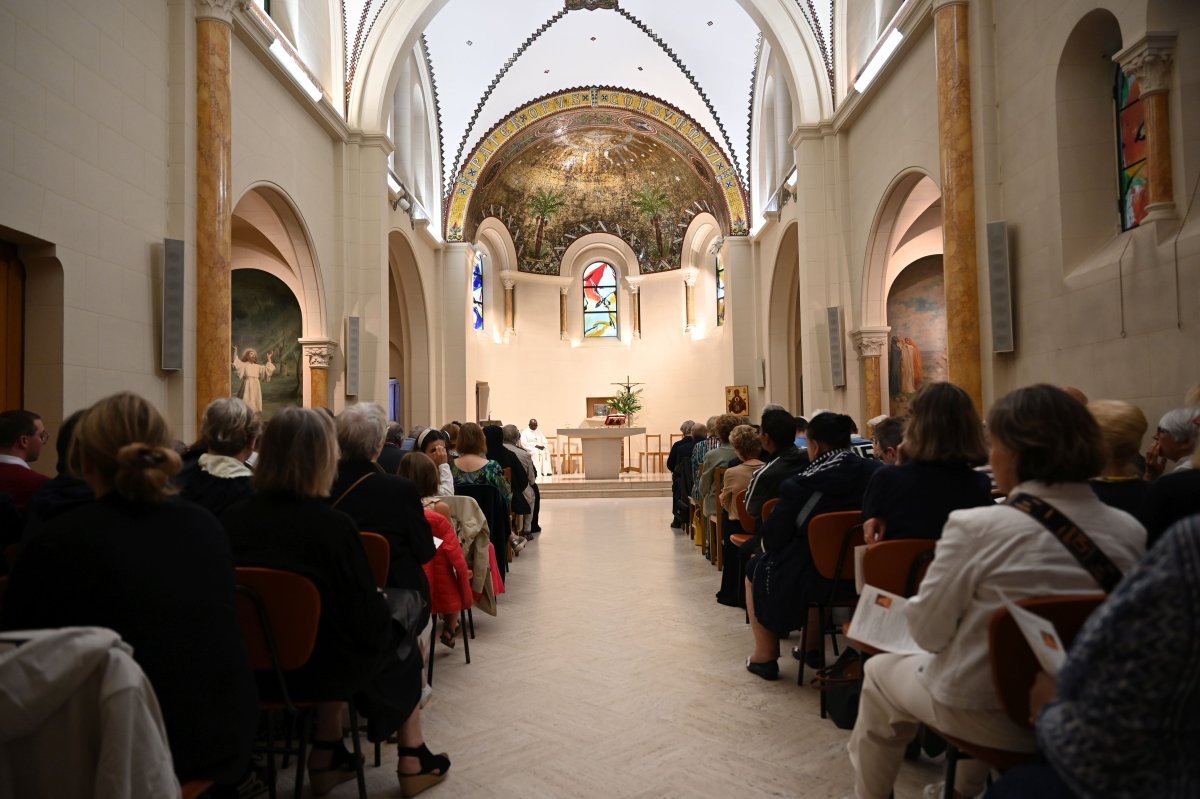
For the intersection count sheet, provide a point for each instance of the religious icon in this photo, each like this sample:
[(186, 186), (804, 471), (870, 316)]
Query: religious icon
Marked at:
[(736, 400)]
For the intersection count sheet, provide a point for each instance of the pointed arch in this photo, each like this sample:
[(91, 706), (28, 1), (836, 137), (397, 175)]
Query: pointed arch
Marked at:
[(907, 227), (409, 344)]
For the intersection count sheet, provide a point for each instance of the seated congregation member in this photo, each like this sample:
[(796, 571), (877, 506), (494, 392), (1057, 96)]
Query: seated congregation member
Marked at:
[(682, 476), (472, 466), (1175, 440), (379, 502), (1122, 427), (512, 443), (747, 445), (449, 577), (1168, 499), (863, 447), (433, 443), (1043, 444), (716, 457), (450, 429), (709, 442), (158, 571), (782, 580), (63, 491), (801, 433), (392, 452), (778, 439), (287, 524), (886, 439), (943, 442), (22, 436), (220, 477), (1121, 718)]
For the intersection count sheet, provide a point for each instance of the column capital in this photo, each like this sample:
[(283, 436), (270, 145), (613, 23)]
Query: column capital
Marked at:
[(634, 283), (318, 352), (219, 10), (938, 4), (563, 289), (1149, 60), (690, 273), (870, 342), (508, 278)]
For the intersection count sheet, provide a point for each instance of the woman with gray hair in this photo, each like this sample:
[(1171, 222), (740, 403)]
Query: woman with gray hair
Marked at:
[(1175, 440), (229, 432), (380, 502)]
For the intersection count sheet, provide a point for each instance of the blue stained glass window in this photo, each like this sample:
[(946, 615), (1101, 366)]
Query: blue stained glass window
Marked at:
[(477, 290), (600, 301), (720, 291)]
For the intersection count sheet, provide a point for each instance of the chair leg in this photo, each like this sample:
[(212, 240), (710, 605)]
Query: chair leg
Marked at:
[(270, 754), (462, 625), (302, 736), (952, 756), (358, 758), (471, 621), (432, 646)]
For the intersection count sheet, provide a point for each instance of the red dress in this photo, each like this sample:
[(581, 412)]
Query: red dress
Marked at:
[(449, 580)]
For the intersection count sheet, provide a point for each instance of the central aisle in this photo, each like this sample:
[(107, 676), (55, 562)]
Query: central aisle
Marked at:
[(612, 672)]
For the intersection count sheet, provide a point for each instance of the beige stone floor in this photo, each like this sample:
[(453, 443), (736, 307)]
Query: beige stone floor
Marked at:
[(610, 671)]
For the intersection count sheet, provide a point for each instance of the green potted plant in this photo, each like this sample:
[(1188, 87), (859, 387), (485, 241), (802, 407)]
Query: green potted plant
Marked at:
[(627, 402)]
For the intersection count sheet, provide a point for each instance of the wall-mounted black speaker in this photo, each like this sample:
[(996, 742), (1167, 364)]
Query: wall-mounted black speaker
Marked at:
[(172, 305), (1000, 286)]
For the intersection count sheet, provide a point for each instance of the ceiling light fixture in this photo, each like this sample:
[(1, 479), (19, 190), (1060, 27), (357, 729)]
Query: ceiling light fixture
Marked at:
[(878, 59)]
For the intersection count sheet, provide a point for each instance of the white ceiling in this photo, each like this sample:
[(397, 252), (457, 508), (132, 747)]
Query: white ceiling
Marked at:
[(470, 41)]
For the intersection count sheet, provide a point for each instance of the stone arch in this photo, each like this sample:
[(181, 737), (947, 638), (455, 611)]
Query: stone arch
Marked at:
[(907, 226), (785, 364), (587, 250), (702, 233), (409, 345)]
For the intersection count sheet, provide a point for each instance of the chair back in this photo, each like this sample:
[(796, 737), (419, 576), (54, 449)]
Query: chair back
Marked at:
[(831, 536), (278, 612), (769, 506), (748, 522), (491, 502), (379, 553), (898, 566), (1013, 663)]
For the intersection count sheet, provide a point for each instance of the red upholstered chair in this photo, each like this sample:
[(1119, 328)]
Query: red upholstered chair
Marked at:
[(193, 789), (279, 613), (379, 554)]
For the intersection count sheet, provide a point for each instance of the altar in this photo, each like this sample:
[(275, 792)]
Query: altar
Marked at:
[(601, 448)]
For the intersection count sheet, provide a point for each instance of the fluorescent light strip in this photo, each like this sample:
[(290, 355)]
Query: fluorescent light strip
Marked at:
[(877, 60), (393, 183), (293, 67)]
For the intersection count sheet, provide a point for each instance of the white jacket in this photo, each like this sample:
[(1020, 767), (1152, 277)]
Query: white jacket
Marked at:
[(983, 550), (78, 718)]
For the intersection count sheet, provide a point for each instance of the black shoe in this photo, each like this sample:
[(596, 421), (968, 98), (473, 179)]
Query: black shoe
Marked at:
[(768, 670), (726, 601), (812, 658)]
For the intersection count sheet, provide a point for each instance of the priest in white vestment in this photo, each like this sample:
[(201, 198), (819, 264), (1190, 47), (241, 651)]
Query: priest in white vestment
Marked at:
[(534, 440)]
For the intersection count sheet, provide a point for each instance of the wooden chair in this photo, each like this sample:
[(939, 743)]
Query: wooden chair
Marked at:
[(1014, 668), (279, 613), (832, 538), (769, 506), (898, 566), (717, 523), (193, 789), (652, 459), (379, 553)]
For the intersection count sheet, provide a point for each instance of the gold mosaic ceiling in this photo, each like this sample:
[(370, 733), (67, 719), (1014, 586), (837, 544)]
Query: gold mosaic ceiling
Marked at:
[(596, 162)]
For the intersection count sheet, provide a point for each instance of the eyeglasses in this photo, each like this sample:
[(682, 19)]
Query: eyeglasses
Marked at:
[(44, 436)]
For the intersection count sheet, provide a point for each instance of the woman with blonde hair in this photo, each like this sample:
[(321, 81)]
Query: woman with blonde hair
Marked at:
[(157, 570), (288, 525), (1122, 428)]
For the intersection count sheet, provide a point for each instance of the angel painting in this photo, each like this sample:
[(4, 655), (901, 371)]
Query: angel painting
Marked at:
[(252, 374)]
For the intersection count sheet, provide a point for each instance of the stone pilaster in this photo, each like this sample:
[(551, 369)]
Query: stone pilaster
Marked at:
[(689, 299), (1149, 60), (958, 197), (870, 343), (214, 201), (635, 304), (563, 332), (506, 279), (318, 355)]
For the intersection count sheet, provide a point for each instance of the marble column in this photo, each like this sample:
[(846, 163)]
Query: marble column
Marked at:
[(509, 284), (958, 197), (214, 201), (1149, 60), (870, 342), (689, 299), (635, 304), (318, 355), (563, 333)]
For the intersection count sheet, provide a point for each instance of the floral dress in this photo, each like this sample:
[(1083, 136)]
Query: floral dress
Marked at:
[(491, 474)]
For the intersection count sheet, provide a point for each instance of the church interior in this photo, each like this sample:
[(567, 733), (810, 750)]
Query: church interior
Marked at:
[(477, 210)]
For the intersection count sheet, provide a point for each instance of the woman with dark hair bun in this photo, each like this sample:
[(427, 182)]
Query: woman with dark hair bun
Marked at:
[(781, 581), (943, 442), (1044, 447), (157, 570)]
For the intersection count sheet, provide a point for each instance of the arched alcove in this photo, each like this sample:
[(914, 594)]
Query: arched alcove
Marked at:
[(408, 332), (785, 363), (917, 351), (907, 226), (587, 250)]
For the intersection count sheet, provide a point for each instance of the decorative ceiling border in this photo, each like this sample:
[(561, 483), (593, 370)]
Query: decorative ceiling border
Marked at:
[(710, 152), (758, 49), (437, 105), (824, 42), (350, 61)]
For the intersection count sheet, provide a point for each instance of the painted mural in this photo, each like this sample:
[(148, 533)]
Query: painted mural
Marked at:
[(266, 326), (916, 312)]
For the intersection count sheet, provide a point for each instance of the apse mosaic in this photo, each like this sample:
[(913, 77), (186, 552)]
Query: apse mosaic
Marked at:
[(598, 160), (1131, 150), (916, 312), (600, 301)]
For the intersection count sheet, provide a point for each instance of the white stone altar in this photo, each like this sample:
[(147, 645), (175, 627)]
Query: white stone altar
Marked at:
[(601, 449)]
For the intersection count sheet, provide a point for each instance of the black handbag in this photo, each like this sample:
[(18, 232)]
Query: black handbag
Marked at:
[(410, 615)]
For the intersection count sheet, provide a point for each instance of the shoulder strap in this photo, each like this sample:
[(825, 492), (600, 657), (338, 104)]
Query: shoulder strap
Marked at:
[(807, 510), (1077, 542), (353, 486)]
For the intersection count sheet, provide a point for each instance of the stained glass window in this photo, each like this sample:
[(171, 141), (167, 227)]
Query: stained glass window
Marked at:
[(600, 301), (477, 290), (720, 291), (1131, 149)]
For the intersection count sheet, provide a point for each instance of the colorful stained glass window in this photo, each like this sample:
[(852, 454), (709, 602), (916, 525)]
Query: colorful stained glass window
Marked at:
[(1131, 150), (720, 291), (477, 290), (600, 301)]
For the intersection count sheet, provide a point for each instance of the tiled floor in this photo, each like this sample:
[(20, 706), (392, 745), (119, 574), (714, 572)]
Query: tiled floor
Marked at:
[(612, 672)]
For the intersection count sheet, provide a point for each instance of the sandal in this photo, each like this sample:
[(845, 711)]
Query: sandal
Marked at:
[(433, 770), (342, 767), (447, 637)]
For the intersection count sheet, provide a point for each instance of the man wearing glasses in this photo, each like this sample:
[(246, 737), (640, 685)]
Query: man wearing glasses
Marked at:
[(22, 436)]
